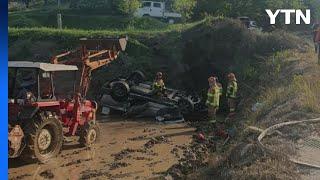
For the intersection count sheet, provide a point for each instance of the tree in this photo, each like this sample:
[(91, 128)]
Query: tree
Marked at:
[(127, 7), (88, 4), (314, 5), (185, 7), (26, 2)]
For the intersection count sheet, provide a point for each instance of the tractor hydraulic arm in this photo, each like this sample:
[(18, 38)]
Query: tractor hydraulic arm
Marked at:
[(92, 54)]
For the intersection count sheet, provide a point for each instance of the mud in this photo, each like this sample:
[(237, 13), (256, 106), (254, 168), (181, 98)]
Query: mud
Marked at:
[(130, 149)]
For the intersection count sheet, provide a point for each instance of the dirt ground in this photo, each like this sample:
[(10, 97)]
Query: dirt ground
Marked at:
[(129, 149)]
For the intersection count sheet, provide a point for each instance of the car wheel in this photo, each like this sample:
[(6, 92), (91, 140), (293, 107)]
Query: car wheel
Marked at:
[(119, 90), (136, 77)]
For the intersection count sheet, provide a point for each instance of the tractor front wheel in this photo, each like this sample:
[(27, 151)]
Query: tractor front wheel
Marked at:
[(45, 136), (89, 135)]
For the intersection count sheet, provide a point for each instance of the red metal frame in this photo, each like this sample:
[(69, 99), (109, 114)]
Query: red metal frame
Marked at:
[(90, 56)]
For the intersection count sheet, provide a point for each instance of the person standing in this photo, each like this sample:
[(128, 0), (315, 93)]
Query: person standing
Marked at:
[(213, 98), (158, 86), (231, 94)]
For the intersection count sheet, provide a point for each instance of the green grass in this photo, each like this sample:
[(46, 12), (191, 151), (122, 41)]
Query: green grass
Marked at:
[(46, 33), (75, 21)]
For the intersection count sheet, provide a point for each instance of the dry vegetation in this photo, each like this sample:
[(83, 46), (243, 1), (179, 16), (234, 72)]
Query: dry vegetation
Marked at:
[(290, 92)]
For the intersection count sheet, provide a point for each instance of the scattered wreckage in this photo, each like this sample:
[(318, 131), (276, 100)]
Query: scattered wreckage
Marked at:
[(134, 96)]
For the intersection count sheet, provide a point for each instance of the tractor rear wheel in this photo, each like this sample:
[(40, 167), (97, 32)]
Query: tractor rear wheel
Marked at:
[(89, 135), (45, 136)]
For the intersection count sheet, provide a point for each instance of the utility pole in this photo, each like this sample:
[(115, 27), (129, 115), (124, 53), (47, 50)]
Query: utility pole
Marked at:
[(59, 16)]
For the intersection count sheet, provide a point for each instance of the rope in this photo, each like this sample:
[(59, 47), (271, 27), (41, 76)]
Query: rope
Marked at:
[(267, 131)]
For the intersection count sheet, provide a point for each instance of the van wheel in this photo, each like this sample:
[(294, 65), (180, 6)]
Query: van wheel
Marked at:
[(171, 21)]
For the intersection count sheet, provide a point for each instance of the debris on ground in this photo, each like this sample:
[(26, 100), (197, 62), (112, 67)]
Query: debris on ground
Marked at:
[(89, 174), (138, 138), (175, 151), (194, 157), (156, 140), (122, 154), (23, 176), (116, 165), (78, 161), (47, 174)]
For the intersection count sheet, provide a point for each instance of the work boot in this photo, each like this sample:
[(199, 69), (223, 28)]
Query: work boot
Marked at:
[(231, 115)]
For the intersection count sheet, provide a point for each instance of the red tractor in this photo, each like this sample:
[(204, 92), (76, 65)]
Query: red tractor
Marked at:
[(41, 113)]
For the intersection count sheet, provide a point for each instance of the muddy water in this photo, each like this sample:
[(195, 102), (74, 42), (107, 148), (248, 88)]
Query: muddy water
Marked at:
[(128, 149)]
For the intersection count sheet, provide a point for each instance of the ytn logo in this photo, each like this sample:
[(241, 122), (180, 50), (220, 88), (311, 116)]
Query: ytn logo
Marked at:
[(287, 14)]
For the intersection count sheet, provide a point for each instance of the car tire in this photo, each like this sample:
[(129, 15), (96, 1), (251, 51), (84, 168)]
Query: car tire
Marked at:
[(136, 77), (120, 90)]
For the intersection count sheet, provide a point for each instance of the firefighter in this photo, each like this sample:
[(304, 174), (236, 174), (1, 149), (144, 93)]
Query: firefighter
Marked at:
[(158, 86), (213, 98), (231, 94)]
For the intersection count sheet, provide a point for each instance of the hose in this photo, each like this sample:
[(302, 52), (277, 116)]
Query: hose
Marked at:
[(267, 131)]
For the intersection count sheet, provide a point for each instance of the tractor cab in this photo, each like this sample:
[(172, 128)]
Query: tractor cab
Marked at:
[(31, 82)]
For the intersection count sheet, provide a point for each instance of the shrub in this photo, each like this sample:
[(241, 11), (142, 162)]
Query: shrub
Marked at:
[(92, 4), (16, 6), (22, 21), (185, 7), (308, 90), (221, 45), (127, 7)]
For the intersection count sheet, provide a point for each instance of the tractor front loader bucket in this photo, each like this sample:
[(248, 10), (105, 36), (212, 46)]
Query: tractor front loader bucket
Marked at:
[(115, 44)]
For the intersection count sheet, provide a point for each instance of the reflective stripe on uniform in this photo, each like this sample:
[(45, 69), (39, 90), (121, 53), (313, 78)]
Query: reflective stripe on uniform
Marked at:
[(213, 96), (232, 89)]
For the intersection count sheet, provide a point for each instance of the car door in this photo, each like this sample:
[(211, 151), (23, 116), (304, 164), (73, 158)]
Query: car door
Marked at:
[(145, 10), (156, 9)]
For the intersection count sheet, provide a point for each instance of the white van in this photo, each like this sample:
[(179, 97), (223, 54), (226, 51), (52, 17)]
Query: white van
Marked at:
[(157, 10)]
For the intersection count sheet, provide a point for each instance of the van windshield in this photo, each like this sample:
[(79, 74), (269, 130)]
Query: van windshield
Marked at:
[(146, 4)]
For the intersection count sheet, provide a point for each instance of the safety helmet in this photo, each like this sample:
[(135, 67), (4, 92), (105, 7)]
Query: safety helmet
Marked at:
[(212, 79), (231, 76), (159, 74)]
